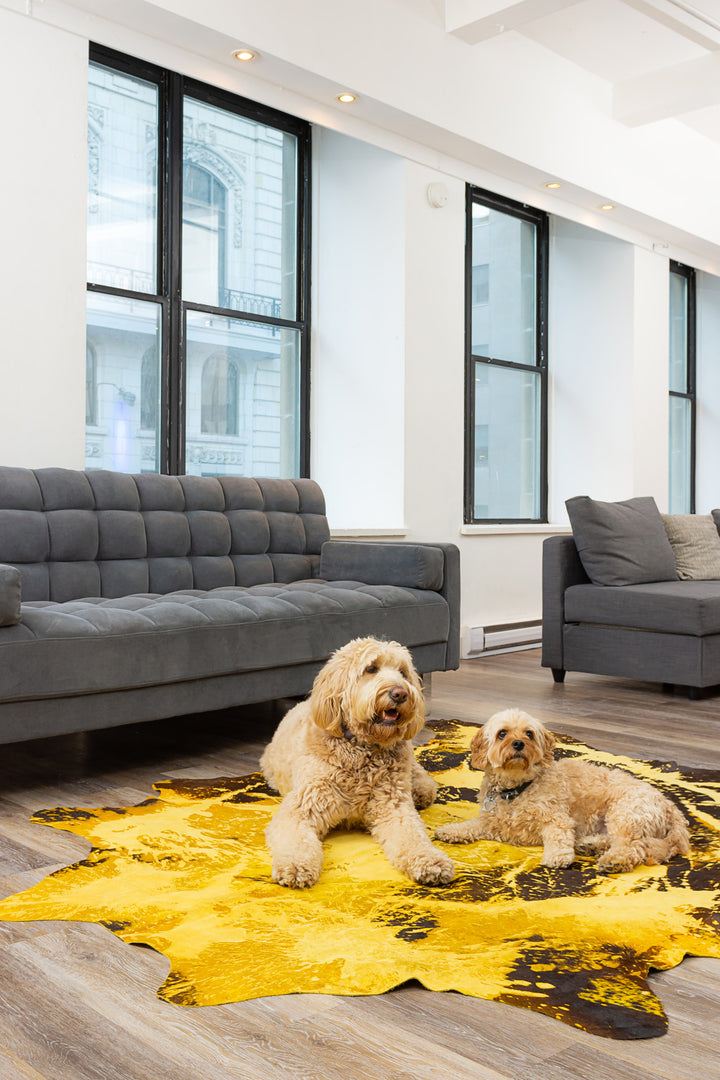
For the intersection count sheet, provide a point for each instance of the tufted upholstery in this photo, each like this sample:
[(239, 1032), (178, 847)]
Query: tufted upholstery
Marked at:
[(126, 598), (84, 646), (104, 534)]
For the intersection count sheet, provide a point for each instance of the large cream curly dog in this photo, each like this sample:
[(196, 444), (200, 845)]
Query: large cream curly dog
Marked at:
[(529, 798), (344, 757)]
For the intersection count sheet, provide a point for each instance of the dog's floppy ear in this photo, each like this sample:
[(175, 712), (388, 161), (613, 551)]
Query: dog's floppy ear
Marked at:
[(479, 750), (326, 696), (418, 721), (548, 747)]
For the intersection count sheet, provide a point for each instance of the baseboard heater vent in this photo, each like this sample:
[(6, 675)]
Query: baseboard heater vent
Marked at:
[(505, 637)]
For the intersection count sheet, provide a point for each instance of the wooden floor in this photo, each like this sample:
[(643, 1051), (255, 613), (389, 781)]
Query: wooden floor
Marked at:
[(78, 1004)]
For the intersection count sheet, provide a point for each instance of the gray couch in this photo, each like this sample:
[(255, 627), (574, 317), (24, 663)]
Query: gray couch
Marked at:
[(659, 631), (134, 597)]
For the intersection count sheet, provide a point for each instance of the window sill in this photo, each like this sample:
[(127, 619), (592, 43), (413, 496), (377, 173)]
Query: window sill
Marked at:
[(522, 529), (343, 534)]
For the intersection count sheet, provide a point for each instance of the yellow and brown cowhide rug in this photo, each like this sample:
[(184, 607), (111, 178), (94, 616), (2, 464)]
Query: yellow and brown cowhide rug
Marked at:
[(188, 873)]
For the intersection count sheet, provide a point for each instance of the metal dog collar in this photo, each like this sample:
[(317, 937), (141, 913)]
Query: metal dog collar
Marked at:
[(506, 794)]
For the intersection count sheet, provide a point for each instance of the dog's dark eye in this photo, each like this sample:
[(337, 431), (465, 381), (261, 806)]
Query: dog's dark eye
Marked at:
[(501, 734), (529, 735), (371, 669), (404, 673)]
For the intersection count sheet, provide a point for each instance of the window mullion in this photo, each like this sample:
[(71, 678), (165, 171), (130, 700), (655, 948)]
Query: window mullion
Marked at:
[(173, 242)]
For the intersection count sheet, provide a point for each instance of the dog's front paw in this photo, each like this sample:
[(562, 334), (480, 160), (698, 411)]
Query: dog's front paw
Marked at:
[(424, 796), (295, 875), (592, 845), (424, 791), (459, 832), (558, 858), (616, 864), (436, 869)]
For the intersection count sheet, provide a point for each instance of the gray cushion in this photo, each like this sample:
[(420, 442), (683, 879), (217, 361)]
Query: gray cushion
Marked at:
[(696, 545), (85, 646), (671, 607), (621, 543), (9, 595), (418, 566), (77, 534)]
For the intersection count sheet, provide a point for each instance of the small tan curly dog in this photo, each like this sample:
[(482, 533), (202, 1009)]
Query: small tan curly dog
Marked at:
[(529, 798), (344, 757)]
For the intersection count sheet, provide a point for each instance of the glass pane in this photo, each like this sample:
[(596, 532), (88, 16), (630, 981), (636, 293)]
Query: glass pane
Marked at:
[(680, 455), (507, 443), (503, 286), (122, 181), (678, 333), (239, 213), (123, 384), (243, 394)]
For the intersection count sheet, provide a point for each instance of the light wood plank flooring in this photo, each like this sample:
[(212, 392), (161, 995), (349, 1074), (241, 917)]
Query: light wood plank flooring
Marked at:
[(78, 1004)]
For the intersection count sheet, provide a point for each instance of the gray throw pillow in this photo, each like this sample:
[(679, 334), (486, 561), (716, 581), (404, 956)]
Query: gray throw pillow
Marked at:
[(696, 544), (621, 543)]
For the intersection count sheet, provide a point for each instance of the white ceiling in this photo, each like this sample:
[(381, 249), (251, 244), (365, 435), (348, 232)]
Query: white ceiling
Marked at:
[(661, 56)]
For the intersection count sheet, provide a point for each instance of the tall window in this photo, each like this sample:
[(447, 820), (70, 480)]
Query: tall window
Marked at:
[(682, 390), (506, 348), (198, 292)]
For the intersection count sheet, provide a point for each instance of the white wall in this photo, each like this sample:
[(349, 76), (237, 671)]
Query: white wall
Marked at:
[(358, 378), (707, 493), (608, 368), (650, 378), (43, 87)]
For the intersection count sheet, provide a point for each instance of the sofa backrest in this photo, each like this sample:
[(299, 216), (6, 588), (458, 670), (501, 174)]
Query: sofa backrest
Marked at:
[(75, 534)]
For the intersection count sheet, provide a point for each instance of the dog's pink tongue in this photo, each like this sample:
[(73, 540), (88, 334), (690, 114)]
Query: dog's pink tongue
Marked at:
[(390, 714)]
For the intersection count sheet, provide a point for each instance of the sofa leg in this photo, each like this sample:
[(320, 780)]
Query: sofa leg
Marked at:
[(558, 674), (696, 693)]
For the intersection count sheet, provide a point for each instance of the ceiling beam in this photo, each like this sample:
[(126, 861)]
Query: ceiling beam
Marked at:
[(670, 91), (684, 18), (477, 20)]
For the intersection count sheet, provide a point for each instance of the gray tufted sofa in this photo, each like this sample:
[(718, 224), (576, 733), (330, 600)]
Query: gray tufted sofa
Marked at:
[(134, 597)]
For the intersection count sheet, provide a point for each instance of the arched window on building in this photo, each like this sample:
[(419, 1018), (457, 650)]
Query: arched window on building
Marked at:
[(91, 413), (219, 396), (204, 235)]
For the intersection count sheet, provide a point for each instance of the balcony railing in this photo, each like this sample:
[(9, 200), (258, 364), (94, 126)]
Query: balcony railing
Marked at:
[(128, 280), (253, 303), (120, 277)]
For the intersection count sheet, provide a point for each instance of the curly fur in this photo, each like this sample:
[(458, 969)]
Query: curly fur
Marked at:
[(344, 757), (568, 806)]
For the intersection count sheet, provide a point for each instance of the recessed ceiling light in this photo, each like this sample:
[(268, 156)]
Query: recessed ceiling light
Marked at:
[(347, 99), (554, 184), (607, 206), (245, 55)]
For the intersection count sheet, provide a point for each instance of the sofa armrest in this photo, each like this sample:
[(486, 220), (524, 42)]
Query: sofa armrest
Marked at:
[(412, 566), (561, 568), (10, 581)]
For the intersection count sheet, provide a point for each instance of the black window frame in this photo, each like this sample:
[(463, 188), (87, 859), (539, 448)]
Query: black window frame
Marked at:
[(689, 273), (541, 220), (172, 88)]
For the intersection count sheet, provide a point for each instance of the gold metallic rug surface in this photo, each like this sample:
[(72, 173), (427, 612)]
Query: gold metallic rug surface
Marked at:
[(188, 873)]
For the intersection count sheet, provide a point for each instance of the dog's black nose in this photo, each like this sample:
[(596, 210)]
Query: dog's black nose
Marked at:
[(518, 744), (398, 694)]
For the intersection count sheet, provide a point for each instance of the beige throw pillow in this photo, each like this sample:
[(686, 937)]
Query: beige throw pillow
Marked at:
[(695, 541)]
